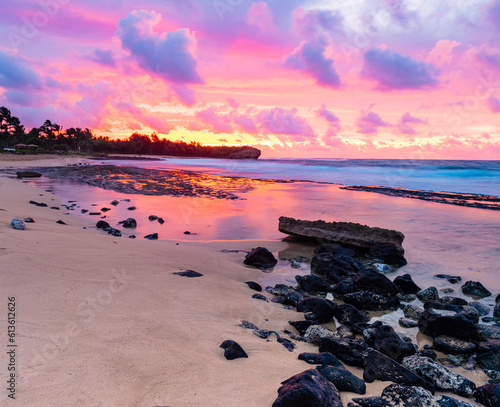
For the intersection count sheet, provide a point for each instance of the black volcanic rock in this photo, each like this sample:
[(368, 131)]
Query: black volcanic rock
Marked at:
[(406, 284), (102, 224), (388, 342), (343, 379), (475, 289), (453, 346), (253, 285), (458, 325), (309, 388), (381, 367), (152, 236), (388, 254), (348, 314), (312, 283), (233, 350), (353, 352), (489, 395), (318, 309), (129, 223), (375, 282), (189, 274), (260, 257), (367, 300)]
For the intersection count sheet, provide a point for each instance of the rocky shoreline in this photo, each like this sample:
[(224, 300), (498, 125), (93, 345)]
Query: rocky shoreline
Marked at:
[(135, 180), (346, 287), (468, 200)]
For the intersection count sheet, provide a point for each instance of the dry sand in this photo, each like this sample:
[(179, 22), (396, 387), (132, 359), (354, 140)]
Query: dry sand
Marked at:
[(102, 321)]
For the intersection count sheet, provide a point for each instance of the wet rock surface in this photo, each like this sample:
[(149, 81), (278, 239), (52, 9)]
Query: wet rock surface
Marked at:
[(260, 257), (309, 388)]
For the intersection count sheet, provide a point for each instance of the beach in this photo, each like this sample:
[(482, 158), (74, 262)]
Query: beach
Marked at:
[(103, 321)]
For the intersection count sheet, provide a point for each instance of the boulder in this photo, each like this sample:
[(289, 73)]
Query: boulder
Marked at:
[(344, 286), (388, 254), (440, 376), (253, 285), (482, 309), (441, 322), (232, 350), (353, 352), (312, 284), (406, 284), (260, 297), (333, 269), (407, 323), (317, 309), (496, 310), (488, 395), (398, 395), (152, 236), (17, 224), (301, 326), (129, 223), (309, 388), (348, 314), (429, 294), (114, 202), (260, 257), (388, 342), (413, 312), (343, 379), (486, 332), (375, 282), (381, 367), (475, 289), (345, 233), (488, 355), (367, 300), (453, 346), (316, 333), (102, 224)]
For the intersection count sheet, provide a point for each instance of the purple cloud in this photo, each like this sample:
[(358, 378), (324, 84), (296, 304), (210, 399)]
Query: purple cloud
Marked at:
[(15, 74), (493, 13), (395, 71), (494, 104), (312, 23), (232, 102), (103, 57), (370, 122), (310, 59), (282, 121), (167, 55), (322, 111), (246, 123), (404, 125), (216, 123)]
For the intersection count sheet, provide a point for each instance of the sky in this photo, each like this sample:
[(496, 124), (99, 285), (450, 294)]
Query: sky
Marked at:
[(409, 79)]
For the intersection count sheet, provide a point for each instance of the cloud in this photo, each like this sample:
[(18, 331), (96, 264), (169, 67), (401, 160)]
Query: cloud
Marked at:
[(167, 55), (404, 125), (331, 139), (260, 16), (330, 117), (370, 122), (394, 71), (311, 24), (246, 123), (232, 102), (494, 104), (216, 122), (280, 121), (15, 74), (310, 59), (493, 13), (103, 57)]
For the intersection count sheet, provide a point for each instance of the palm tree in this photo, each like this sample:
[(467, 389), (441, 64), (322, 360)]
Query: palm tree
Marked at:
[(48, 128)]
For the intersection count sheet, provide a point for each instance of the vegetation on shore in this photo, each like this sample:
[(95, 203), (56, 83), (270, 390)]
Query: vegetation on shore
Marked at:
[(51, 137)]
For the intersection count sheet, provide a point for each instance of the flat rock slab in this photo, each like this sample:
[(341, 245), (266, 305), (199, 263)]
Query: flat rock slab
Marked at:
[(189, 274), (346, 233)]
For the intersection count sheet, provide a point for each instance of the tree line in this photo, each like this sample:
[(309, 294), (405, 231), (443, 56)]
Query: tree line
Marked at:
[(52, 137)]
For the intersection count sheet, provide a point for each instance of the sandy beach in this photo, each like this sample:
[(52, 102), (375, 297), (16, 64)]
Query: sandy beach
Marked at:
[(103, 321)]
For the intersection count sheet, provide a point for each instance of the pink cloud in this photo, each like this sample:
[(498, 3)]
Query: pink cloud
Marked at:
[(246, 123), (370, 122), (404, 125), (280, 121), (216, 123)]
